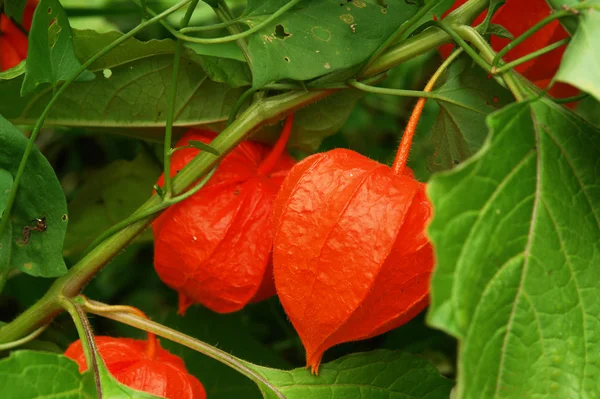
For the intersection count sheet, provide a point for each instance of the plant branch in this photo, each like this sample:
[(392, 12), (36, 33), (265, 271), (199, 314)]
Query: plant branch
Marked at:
[(172, 97), (530, 56), (183, 339)]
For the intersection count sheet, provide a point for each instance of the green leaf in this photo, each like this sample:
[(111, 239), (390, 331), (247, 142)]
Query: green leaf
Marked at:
[(113, 389), (580, 64), (570, 23), (130, 93), (318, 36), (377, 374), (51, 56), (107, 197), (29, 374), (517, 238), (460, 130), (203, 147), (39, 196), (6, 182), (14, 9)]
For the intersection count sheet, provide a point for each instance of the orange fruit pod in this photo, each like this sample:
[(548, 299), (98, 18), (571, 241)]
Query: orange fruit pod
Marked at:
[(214, 248), (142, 366), (351, 259)]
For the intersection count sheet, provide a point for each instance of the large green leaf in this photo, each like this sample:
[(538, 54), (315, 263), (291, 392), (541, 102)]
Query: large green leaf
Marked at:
[(318, 36), (29, 374), (51, 55), (378, 374), (131, 91), (107, 197), (39, 196), (580, 66), (517, 238), (460, 129)]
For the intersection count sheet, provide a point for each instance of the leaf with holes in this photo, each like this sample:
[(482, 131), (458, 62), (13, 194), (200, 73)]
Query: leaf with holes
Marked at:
[(376, 374), (517, 236), (51, 57), (468, 95), (580, 65), (35, 249), (317, 37)]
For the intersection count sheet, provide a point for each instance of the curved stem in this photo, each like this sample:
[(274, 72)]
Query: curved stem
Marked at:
[(402, 31), (172, 97), (185, 340), (61, 90), (102, 308), (241, 35), (209, 27), (411, 127), (86, 336), (270, 161), (530, 56), (572, 99), (464, 45), (529, 32), (24, 340), (239, 103)]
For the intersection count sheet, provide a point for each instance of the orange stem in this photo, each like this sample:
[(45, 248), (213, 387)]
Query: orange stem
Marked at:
[(411, 127), (270, 161)]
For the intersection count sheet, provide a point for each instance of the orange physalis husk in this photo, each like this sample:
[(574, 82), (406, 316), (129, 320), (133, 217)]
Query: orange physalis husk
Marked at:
[(214, 248), (13, 42), (157, 372)]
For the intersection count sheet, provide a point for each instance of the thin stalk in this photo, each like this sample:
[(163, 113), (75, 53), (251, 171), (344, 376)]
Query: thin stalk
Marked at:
[(24, 340), (464, 45), (393, 92), (530, 56), (185, 340), (241, 35), (470, 34), (221, 25), (61, 90), (226, 15), (400, 33), (529, 32), (572, 99), (86, 335), (172, 97), (411, 127), (270, 161), (239, 103), (102, 308)]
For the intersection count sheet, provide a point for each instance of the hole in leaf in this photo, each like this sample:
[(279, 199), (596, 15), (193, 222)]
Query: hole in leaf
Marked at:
[(280, 32), (49, 10), (287, 59)]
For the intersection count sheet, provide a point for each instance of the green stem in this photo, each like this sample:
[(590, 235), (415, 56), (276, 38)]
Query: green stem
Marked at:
[(86, 335), (400, 34), (185, 340), (239, 103), (241, 35), (530, 56), (470, 34), (572, 99), (427, 40), (529, 32), (464, 45), (24, 340), (209, 27), (61, 90), (172, 97), (225, 15)]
